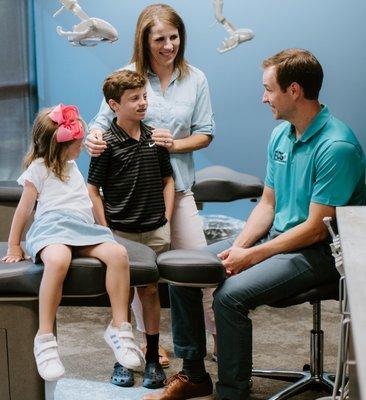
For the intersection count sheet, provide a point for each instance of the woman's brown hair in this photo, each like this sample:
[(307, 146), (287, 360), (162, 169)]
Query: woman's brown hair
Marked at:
[(147, 19)]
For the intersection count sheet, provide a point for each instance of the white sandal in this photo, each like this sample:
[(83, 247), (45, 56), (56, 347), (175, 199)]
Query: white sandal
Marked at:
[(48, 361), (121, 341)]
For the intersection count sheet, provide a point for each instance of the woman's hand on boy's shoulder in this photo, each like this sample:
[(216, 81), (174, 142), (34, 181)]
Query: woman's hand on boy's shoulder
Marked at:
[(94, 143), (14, 254)]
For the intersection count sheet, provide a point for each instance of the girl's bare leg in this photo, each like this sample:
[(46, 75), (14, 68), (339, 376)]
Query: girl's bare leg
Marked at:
[(119, 334), (115, 257), (56, 259)]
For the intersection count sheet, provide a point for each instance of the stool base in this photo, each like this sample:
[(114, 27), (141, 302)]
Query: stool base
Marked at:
[(303, 381)]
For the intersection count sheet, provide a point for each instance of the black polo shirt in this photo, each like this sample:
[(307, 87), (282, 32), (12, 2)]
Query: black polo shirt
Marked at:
[(131, 174)]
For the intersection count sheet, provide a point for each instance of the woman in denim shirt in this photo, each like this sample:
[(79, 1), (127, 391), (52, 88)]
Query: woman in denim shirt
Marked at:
[(179, 108)]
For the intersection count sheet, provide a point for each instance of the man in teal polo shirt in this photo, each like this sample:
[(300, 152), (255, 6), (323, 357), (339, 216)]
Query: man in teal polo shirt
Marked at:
[(322, 165), (315, 163)]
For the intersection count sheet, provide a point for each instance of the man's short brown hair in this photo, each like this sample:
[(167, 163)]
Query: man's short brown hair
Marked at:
[(300, 66), (119, 81)]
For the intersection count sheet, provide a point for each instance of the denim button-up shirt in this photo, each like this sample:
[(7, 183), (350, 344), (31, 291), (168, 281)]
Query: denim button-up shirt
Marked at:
[(184, 108)]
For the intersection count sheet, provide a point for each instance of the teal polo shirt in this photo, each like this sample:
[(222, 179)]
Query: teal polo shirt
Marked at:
[(326, 165)]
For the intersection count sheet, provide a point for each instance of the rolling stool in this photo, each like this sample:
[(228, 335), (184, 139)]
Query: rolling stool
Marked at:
[(312, 377), (19, 286)]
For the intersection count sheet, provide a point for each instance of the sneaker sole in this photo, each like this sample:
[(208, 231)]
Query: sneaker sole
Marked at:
[(53, 379)]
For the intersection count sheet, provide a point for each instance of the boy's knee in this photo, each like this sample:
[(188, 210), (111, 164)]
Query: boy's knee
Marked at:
[(148, 291)]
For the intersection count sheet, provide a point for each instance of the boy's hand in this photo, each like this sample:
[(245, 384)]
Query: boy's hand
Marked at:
[(163, 138), (14, 254), (94, 143)]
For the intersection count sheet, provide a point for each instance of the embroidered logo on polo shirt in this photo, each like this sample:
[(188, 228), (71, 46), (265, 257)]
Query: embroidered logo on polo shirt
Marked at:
[(280, 157), (152, 144)]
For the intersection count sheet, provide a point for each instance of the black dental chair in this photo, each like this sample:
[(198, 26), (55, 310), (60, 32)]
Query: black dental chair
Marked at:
[(221, 184), (19, 285)]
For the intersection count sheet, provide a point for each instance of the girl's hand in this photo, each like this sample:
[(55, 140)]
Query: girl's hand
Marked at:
[(163, 138), (14, 254)]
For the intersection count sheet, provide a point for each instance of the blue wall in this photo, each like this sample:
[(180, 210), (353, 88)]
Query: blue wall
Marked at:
[(334, 30)]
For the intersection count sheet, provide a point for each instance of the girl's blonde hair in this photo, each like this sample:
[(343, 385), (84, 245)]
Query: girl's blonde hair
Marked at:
[(147, 19), (44, 145)]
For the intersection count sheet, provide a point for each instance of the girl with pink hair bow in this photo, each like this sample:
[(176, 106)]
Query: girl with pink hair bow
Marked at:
[(64, 227)]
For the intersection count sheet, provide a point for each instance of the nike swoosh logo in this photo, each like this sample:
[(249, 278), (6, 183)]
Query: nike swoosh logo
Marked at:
[(152, 144)]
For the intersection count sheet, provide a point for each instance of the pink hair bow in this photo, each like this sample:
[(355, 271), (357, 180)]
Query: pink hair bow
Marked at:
[(69, 126)]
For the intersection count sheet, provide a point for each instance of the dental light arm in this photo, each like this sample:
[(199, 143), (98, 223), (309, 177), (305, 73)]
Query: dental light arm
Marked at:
[(90, 31), (237, 36)]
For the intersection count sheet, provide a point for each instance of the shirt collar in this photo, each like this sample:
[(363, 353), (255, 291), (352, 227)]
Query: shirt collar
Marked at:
[(172, 79), (146, 132), (123, 135), (118, 131), (314, 127)]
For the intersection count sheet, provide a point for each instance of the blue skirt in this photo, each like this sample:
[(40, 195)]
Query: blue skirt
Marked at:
[(64, 227)]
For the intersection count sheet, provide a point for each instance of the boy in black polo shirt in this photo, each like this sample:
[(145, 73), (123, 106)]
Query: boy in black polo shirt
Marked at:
[(138, 189)]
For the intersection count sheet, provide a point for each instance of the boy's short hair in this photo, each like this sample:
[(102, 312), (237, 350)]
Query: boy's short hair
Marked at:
[(119, 81), (297, 65)]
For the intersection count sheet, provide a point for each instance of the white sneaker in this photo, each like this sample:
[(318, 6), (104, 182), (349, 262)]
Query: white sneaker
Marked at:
[(121, 341), (48, 361)]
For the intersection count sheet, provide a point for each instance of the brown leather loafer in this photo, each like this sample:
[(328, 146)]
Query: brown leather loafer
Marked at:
[(179, 387)]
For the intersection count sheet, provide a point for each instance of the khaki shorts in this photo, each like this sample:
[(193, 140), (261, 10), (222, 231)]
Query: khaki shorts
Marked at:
[(158, 239)]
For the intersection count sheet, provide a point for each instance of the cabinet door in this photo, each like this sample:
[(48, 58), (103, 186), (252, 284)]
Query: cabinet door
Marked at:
[(4, 376)]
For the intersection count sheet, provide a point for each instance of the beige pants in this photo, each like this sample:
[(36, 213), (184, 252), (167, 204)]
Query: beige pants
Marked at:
[(158, 239)]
